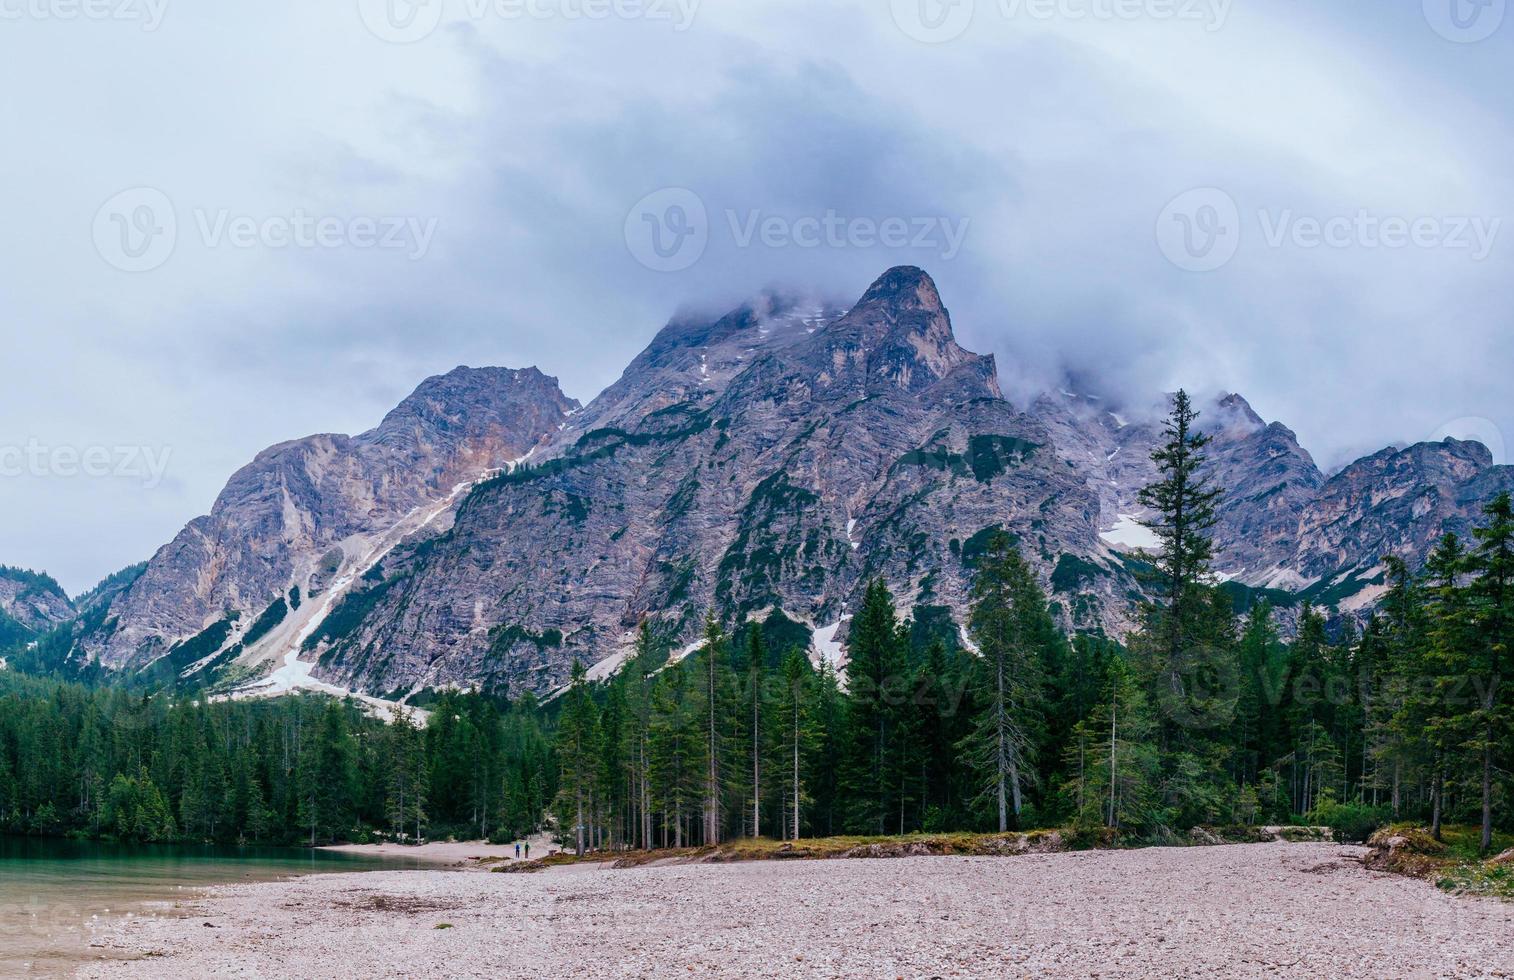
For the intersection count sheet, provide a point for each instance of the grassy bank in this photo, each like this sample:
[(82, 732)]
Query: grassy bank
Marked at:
[(920, 845), (1452, 863)]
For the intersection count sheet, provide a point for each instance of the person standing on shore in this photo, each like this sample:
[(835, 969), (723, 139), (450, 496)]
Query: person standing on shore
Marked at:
[(528, 850), (517, 850)]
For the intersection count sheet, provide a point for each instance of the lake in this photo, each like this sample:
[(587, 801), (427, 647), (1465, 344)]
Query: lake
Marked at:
[(52, 892)]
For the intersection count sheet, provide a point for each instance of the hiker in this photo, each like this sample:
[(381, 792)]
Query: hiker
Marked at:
[(517, 850), (528, 850)]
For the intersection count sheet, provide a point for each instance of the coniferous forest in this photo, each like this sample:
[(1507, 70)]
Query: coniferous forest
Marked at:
[(1204, 716)]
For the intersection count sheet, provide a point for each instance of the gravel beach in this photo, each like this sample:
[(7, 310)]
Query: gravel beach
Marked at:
[(456, 853), (1258, 910)]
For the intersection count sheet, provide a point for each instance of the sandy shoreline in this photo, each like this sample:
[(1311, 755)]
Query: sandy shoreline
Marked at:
[(452, 853), (1258, 910)]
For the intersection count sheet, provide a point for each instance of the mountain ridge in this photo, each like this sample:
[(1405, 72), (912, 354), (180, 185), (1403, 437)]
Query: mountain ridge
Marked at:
[(490, 530)]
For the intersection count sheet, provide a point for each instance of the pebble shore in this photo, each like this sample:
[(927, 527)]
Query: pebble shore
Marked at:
[(1255, 910)]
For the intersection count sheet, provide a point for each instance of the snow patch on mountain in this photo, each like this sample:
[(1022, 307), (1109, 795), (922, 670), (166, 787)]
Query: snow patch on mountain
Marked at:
[(1130, 533), (608, 667), (826, 646)]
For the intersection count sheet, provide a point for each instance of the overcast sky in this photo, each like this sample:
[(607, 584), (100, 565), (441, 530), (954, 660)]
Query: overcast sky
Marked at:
[(228, 225)]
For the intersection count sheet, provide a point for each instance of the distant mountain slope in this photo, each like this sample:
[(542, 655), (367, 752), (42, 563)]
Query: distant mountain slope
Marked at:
[(31, 603), (304, 511), (765, 462)]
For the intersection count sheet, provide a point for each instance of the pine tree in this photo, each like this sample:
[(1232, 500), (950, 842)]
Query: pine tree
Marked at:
[(1263, 674), (7, 787), (1493, 607), (674, 745), (827, 762), (405, 794), (1117, 766), (875, 676), (1307, 706), (1009, 623), (613, 792), (939, 726), (1374, 672), (260, 819), (1448, 640), (636, 733), (756, 724), (327, 776), (1183, 502), (577, 753), (1405, 709), (793, 710), (715, 711)]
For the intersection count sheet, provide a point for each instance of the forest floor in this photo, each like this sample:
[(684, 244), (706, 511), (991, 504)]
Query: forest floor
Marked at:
[(1246, 910)]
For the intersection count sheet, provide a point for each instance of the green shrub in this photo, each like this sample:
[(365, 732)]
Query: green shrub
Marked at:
[(1350, 822)]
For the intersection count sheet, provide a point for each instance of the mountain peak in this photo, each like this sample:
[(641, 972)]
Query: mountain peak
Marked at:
[(1234, 417), (905, 287), (906, 337), (473, 400)]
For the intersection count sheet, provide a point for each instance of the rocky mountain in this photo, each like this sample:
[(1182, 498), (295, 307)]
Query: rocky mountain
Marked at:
[(1397, 501), (30, 603), (765, 463), (303, 512), (1268, 478), (773, 459)]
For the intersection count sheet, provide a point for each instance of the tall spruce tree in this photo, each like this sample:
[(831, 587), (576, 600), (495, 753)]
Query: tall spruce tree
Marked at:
[(1263, 674), (578, 757), (793, 709), (636, 732), (1445, 663), (405, 795), (715, 700), (757, 727), (1403, 746), (1492, 564), (674, 741), (827, 764), (876, 680), (1010, 625), (1182, 503), (1112, 758)]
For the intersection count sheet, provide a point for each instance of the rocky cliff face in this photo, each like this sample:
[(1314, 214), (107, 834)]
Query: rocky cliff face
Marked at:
[(774, 459), (30, 602), (303, 511), (1283, 524), (1395, 502), (769, 461), (1268, 478), (1270, 482)]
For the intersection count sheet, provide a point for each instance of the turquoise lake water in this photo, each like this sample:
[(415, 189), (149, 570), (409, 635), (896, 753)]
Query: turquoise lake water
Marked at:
[(52, 892)]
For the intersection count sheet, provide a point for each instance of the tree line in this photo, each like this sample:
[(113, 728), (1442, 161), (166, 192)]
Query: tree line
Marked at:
[(104, 762)]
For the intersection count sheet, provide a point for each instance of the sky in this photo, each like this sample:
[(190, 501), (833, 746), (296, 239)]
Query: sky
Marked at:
[(229, 225)]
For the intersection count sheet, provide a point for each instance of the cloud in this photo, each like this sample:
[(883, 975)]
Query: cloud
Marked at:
[(803, 131)]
